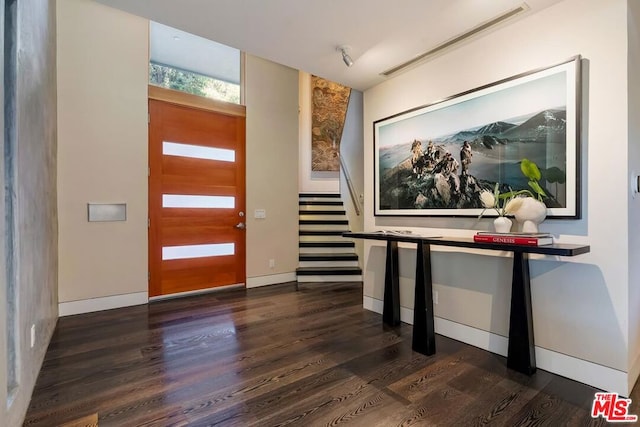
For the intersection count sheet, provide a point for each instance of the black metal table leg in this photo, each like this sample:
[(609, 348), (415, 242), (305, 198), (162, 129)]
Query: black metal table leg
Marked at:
[(521, 354), (424, 336), (391, 307)]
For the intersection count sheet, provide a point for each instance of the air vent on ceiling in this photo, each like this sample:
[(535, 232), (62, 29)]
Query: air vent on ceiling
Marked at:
[(458, 39)]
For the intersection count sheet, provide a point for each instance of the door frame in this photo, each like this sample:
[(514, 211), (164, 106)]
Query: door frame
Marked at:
[(188, 100), (198, 102)]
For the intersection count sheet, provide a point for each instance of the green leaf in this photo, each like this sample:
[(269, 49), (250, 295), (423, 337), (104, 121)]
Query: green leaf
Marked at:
[(536, 187), (555, 174), (506, 195), (530, 170), (512, 194)]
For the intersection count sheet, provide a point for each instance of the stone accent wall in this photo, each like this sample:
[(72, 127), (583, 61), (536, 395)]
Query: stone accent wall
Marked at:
[(329, 109)]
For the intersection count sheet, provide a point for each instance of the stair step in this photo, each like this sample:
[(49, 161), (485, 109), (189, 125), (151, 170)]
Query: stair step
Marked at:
[(322, 238), (316, 208), (316, 264), (330, 279), (321, 232), (323, 221), (322, 250), (328, 271), (324, 256), (325, 227), (323, 217), (321, 212), (329, 195), (340, 244), (320, 203)]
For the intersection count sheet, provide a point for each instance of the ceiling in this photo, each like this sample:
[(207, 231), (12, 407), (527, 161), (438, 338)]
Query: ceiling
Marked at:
[(304, 34)]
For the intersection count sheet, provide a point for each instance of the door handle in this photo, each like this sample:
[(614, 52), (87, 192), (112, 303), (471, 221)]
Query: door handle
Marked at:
[(241, 226)]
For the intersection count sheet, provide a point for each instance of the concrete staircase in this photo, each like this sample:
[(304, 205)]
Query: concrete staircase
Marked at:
[(325, 256)]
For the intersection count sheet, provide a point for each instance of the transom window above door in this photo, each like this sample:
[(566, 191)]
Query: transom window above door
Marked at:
[(193, 64)]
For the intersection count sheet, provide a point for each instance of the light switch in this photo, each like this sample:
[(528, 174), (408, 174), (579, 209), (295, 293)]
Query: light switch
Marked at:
[(260, 214)]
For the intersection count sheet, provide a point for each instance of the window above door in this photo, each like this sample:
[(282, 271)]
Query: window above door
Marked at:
[(192, 64)]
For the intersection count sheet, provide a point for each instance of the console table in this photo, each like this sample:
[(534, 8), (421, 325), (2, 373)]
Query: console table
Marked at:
[(521, 353)]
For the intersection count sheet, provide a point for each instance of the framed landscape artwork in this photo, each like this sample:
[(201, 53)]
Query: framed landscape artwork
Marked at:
[(435, 160)]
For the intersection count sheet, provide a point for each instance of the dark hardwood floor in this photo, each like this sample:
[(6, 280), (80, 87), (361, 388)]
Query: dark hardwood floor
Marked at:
[(274, 357)]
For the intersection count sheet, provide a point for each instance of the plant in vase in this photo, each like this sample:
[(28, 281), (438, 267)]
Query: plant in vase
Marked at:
[(500, 202), (527, 207)]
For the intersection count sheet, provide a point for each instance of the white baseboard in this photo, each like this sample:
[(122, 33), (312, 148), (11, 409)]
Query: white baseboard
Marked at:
[(102, 303), (272, 279), (634, 373), (602, 377), (599, 376), (376, 305), (476, 337), (116, 301)]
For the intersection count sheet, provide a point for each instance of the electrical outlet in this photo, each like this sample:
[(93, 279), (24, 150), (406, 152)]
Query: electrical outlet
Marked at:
[(435, 297), (33, 335), (272, 263)]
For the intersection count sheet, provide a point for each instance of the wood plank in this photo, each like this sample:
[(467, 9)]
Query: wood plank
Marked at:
[(188, 126), (176, 218), (217, 273), (88, 421), (195, 101), (215, 265), (197, 185), (223, 232), (274, 356), (174, 215), (224, 175)]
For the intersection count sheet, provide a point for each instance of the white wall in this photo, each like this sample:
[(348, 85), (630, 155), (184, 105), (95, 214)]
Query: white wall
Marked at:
[(310, 181), (271, 93), (102, 150), (352, 154), (580, 306), (352, 148), (634, 198)]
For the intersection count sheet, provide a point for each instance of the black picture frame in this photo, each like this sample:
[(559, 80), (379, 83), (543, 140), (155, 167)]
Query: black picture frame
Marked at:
[(420, 168)]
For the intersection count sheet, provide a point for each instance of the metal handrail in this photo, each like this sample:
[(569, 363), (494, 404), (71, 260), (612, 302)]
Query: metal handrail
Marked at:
[(354, 198)]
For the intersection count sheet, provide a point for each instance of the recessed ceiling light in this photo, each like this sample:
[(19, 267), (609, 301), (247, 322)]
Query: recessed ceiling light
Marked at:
[(176, 38)]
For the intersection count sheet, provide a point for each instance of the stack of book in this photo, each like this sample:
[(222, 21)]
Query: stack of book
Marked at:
[(398, 232), (528, 239)]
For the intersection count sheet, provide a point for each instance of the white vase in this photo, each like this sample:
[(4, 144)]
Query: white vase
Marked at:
[(502, 224), (531, 213)]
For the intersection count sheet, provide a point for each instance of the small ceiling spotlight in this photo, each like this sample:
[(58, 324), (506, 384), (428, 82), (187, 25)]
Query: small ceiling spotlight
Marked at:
[(344, 50)]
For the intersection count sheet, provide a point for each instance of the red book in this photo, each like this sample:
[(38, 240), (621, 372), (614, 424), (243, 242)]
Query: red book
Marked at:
[(513, 240)]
